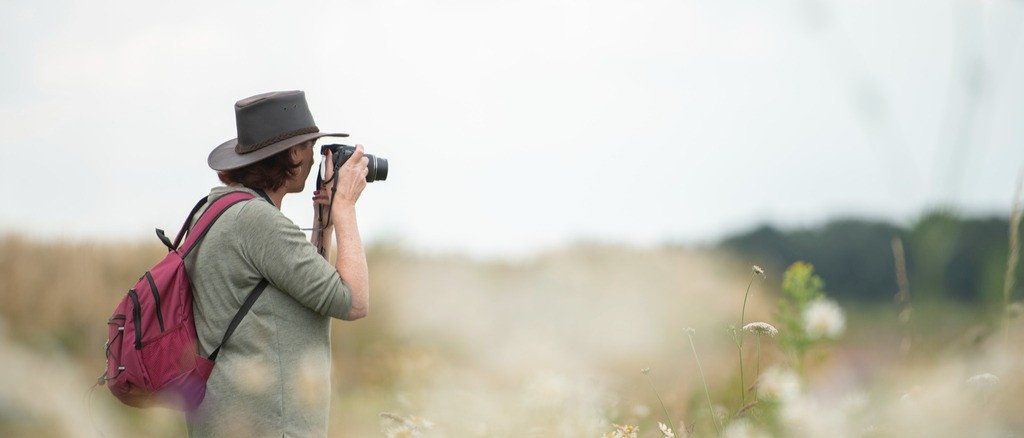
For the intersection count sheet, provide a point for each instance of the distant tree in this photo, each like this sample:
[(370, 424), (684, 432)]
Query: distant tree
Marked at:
[(947, 257)]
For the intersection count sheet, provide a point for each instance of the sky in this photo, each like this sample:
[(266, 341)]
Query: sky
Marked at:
[(515, 126)]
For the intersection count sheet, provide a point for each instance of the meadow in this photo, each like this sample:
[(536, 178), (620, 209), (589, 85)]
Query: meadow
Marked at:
[(586, 340)]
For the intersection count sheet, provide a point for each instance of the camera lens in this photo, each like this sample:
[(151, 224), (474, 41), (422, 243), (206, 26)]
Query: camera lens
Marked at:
[(378, 169)]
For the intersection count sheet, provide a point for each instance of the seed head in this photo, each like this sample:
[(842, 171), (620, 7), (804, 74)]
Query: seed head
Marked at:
[(758, 270), (646, 370), (761, 329)]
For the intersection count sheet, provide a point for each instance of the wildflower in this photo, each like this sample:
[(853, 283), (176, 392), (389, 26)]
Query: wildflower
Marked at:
[(645, 371), (255, 377), (761, 328), (758, 270), (983, 381), (778, 384), (742, 429), (689, 331), (641, 410), (623, 431), (422, 422), (824, 319), (666, 431), (396, 426)]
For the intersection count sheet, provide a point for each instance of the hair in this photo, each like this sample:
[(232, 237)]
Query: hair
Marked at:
[(268, 174)]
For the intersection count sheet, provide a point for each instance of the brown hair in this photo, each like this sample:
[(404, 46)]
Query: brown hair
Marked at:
[(267, 174)]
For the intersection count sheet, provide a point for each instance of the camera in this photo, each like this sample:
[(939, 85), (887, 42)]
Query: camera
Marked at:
[(377, 168)]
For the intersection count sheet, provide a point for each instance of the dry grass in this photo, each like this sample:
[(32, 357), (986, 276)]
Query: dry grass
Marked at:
[(481, 347), (550, 345)]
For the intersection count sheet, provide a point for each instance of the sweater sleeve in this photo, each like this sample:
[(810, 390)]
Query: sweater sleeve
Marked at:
[(279, 250)]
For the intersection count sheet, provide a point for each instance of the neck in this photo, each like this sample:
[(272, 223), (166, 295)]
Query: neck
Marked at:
[(277, 196)]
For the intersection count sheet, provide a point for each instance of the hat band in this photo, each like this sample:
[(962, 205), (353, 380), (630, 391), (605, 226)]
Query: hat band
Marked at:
[(245, 149)]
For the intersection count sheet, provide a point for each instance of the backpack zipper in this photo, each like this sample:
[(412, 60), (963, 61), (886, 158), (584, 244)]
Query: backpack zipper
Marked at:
[(156, 297), (136, 318)]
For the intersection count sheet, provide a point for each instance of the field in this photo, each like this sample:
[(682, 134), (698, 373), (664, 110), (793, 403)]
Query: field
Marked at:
[(552, 344)]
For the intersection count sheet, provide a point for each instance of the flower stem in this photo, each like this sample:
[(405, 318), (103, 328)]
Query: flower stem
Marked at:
[(707, 392), (739, 338), (757, 370), (743, 386), (668, 418)]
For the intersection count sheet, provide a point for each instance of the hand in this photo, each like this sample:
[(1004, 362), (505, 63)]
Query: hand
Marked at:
[(321, 195), (351, 179)]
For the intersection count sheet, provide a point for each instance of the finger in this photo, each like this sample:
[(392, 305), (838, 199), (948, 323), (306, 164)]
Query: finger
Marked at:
[(364, 162), (329, 168), (357, 156), (321, 199)]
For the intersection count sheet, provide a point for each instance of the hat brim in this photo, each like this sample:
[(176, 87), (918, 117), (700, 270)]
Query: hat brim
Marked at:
[(224, 157)]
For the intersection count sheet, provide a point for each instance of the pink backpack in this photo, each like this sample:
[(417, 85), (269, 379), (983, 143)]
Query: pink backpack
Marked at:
[(152, 347)]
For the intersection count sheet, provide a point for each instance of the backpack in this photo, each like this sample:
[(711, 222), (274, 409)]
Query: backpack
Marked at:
[(152, 348)]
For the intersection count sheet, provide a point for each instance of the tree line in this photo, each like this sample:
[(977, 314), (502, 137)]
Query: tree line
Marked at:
[(947, 256)]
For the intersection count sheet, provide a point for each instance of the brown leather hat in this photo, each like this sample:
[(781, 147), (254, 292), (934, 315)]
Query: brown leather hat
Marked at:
[(267, 123)]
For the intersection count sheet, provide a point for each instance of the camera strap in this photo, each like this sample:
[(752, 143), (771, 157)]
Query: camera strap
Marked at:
[(325, 217)]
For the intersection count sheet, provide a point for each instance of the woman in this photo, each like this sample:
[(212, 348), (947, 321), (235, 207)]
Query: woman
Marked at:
[(272, 378)]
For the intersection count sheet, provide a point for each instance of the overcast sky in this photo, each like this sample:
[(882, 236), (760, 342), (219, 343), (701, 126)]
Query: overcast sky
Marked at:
[(513, 126)]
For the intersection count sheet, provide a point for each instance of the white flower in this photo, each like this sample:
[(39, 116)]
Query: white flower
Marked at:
[(623, 431), (824, 319), (778, 384), (761, 328), (396, 426), (983, 381), (689, 330), (666, 431), (641, 410), (758, 270), (742, 429)]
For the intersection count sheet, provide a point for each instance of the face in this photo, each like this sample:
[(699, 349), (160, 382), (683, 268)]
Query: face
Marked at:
[(302, 154)]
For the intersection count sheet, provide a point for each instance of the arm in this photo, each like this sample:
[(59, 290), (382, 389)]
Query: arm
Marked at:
[(350, 261), (281, 253)]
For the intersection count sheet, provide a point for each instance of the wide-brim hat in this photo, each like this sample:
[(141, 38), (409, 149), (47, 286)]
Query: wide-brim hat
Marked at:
[(266, 124)]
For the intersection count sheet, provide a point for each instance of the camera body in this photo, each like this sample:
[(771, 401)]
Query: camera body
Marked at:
[(377, 168)]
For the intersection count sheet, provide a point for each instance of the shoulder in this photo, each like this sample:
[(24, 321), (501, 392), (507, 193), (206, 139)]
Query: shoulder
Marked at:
[(258, 214)]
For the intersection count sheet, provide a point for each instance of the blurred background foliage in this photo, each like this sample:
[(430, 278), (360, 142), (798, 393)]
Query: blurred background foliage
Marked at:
[(949, 257)]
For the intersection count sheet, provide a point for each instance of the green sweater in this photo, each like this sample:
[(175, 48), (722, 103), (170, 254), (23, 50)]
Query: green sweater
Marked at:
[(273, 377)]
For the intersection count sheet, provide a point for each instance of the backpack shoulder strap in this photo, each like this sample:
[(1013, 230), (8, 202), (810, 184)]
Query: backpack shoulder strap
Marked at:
[(242, 311), (171, 246), (188, 221), (212, 213)]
